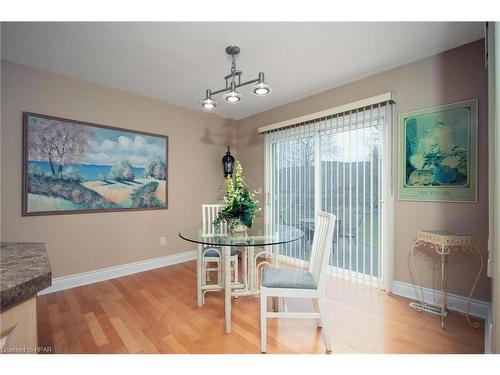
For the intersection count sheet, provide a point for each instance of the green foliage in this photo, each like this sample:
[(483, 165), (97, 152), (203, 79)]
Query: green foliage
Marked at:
[(34, 171), (122, 171), (155, 167), (71, 174), (240, 205)]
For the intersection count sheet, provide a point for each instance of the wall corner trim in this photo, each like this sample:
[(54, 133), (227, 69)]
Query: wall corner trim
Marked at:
[(102, 274)]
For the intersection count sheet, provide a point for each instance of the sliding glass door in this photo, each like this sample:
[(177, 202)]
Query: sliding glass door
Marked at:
[(336, 165), (293, 189)]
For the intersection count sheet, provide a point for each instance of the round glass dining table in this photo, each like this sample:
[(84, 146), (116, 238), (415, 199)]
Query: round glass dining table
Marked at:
[(255, 236), (255, 242)]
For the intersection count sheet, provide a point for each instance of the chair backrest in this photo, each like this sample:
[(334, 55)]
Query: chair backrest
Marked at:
[(208, 214), (321, 247)]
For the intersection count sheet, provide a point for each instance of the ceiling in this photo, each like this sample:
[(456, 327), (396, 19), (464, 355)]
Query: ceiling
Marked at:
[(176, 61)]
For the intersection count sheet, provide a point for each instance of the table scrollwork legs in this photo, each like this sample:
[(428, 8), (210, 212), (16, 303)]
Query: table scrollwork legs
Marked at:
[(416, 243), (444, 286), (469, 299), (445, 249)]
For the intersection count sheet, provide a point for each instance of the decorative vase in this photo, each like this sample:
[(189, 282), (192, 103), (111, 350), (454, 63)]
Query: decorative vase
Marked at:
[(238, 228)]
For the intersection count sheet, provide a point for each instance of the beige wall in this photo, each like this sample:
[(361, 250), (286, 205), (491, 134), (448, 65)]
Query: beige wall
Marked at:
[(453, 76), (78, 243), (84, 242)]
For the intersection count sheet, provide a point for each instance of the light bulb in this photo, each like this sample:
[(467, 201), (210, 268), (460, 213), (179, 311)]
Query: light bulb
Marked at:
[(261, 89), (232, 96), (208, 102)]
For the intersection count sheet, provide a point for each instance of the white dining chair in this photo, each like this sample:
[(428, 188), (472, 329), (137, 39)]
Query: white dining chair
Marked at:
[(297, 283), (210, 255)]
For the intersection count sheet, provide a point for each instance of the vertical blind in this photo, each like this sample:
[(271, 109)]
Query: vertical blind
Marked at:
[(334, 164)]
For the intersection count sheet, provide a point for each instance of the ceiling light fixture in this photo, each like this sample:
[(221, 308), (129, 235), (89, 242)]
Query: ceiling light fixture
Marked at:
[(208, 102), (233, 82), (261, 88), (232, 96)]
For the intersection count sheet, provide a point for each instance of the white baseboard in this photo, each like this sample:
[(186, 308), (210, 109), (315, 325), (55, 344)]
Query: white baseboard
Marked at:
[(84, 278), (481, 309), (456, 302)]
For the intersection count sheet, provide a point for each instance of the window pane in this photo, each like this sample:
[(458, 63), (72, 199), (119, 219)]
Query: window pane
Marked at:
[(293, 190), (350, 178), (349, 189)]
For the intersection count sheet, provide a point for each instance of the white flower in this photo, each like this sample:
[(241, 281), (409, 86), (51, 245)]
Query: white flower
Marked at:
[(417, 161), (451, 161)]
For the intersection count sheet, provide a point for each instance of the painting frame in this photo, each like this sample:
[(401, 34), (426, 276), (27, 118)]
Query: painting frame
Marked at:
[(25, 166), (466, 193)]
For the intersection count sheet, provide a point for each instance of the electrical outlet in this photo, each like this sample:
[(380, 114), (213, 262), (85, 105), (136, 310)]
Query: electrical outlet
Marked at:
[(163, 241)]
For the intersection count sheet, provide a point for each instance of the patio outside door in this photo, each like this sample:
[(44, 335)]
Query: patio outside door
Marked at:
[(339, 165)]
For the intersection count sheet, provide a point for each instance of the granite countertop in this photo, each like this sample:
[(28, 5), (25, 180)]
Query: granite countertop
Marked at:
[(24, 271)]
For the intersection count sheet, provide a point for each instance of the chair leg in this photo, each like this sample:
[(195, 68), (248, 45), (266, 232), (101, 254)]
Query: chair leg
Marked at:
[(219, 273), (199, 275), (234, 261), (236, 270), (244, 259), (275, 304), (203, 272), (316, 309), (207, 271), (324, 322), (263, 321), (222, 271)]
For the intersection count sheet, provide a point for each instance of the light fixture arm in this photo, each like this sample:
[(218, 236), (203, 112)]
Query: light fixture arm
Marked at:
[(228, 88)]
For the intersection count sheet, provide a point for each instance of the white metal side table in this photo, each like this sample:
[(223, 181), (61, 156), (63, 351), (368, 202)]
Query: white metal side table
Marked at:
[(444, 243)]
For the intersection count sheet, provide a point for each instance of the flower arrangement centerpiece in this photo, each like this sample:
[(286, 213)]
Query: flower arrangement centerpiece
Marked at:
[(437, 159), (240, 206)]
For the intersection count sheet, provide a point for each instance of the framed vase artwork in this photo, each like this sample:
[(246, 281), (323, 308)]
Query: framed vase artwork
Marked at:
[(72, 167), (438, 153)]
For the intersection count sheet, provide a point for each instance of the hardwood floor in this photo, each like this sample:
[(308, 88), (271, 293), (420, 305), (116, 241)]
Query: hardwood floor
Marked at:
[(156, 312)]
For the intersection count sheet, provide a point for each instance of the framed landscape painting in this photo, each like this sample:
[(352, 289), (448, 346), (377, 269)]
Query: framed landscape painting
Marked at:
[(438, 153), (76, 167)]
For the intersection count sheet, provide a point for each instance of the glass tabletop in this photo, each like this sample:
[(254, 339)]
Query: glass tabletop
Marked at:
[(255, 236)]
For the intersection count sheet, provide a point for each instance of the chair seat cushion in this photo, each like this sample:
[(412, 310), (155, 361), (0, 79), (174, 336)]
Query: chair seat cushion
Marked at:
[(211, 253), (287, 278)]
